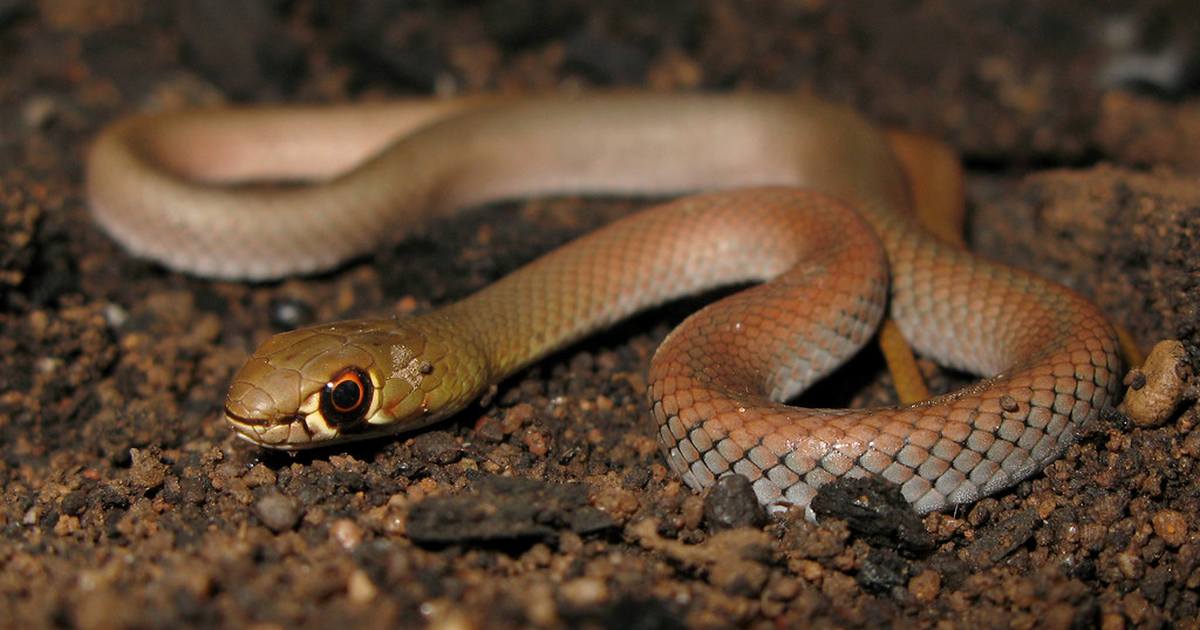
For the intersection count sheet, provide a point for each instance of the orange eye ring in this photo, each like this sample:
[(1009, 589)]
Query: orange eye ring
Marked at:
[(346, 397), (346, 392)]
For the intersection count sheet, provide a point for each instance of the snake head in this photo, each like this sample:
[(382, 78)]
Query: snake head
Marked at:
[(345, 381)]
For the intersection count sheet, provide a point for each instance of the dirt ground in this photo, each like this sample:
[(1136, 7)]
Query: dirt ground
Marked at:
[(128, 503)]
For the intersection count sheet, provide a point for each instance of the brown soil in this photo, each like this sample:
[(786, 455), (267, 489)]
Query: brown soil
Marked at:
[(127, 503)]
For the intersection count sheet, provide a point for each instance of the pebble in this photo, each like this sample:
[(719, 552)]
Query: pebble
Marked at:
[(438, 447), (692, 511), (1163, 380), (784, 589), (875, 510), (115, 315), (346, 533), (39, 112), (489, 429), (146, 472), (925, 586), (1170, 525), (516, 416), (746, 579), (536, 442), (1130, 565), (1112, 621), (809, 570), (584, 592), (882, 570), (570, 543), (360, 589), (74, 503), (1046, 506), (731, 503), (277, 512), (259, 475), (617, 502), (66, 525), (287, 313), (1135, 606)]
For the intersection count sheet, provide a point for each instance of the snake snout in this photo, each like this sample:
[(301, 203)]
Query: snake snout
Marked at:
[(262, 406), (285, 432)]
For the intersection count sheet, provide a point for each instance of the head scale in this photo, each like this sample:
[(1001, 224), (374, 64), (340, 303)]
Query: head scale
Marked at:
[(346, 381)]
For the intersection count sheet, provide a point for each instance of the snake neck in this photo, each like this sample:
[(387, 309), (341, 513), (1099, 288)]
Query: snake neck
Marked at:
[(501, 338)]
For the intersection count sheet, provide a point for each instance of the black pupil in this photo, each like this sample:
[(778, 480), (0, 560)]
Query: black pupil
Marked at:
[(345, 395)]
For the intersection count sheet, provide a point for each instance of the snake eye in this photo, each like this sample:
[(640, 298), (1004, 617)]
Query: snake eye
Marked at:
[(346, 397)]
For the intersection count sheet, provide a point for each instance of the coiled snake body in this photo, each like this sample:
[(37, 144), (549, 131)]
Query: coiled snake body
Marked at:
[(809, 200)]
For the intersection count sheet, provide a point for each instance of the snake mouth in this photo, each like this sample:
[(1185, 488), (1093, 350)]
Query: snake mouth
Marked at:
[(290, 433), (287, 433), (236, 419)]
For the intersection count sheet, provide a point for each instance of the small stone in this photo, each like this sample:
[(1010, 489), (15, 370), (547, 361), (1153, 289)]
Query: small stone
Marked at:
[(980, 513), (1112, 621), (39, 112), (810, 570), (146, 471), (346, 533), (1170, 525), (1000, 539), (489, 429), (925, 586), (882, 570), (115, 316), (437, 447), (1130, 565), (360, 589), (66, 525), (277, 512), (731, 502), (516, 417), (74, 503), (584, 592), (784, 589), (287, 313), (539, 606), (617, 502), (111, 497), (875, 510), (1046, 506), (737, 577), (536, 442), (259, 475), (538, 557), (1135, 606), (1163, 385), (692, 511), (570, 543)]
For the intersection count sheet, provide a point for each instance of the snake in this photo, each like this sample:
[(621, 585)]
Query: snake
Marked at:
[(799, 199)]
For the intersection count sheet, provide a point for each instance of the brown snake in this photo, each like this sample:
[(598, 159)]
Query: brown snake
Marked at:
[(156, 183)]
